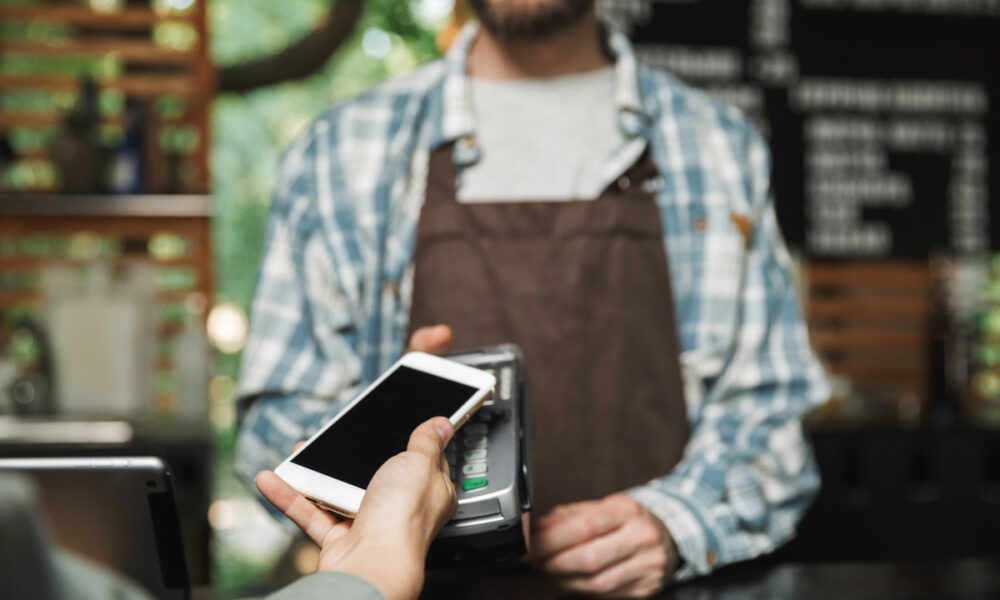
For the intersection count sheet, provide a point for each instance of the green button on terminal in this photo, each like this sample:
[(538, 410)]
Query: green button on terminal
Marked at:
[(474, 483)]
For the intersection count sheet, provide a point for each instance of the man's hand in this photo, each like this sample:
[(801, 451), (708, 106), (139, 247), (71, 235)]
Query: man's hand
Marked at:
[(432, 340), (611, 547), (407, 502)]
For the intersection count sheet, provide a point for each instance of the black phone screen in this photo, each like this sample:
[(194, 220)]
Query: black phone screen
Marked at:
[(379, 426)]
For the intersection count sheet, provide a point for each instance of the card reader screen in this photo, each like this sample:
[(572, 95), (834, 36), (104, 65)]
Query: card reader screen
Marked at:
[(379, 426)]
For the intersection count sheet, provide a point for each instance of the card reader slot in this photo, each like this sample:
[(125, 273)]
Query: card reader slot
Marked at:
[(476, 508)]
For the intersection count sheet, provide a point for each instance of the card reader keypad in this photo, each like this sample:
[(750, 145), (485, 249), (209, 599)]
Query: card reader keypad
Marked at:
[(468, 452)]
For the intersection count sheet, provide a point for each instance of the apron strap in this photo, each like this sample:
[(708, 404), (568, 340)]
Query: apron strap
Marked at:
[(442, 175), (641, 171)]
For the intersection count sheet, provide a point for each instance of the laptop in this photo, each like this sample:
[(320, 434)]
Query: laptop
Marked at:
[(118, 512)]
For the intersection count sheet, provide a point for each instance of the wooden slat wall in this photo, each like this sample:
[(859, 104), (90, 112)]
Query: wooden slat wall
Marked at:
[(869, 322), (128, 17), (129, 222), (148, 71)]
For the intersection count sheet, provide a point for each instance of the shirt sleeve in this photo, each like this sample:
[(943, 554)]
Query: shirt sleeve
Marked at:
[(326, 584), (300, 362), (748, 474)]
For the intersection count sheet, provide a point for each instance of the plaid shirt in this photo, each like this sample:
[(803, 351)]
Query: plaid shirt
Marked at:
[(333, 298)]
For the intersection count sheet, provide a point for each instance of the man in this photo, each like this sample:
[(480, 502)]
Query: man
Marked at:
[(538, 187)]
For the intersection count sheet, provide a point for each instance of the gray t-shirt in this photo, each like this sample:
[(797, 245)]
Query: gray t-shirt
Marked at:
[(542, 139)]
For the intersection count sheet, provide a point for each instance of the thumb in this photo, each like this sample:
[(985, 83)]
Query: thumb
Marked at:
[(433, 340), (431, 437)]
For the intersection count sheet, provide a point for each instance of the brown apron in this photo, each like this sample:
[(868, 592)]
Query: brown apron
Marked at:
[(583, 288)]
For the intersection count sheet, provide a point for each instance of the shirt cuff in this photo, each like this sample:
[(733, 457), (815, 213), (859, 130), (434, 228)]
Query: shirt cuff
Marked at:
[(686, 527), (328, 584)]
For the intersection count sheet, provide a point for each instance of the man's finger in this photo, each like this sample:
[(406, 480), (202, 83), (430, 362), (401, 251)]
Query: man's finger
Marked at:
[(431, 437), (620, 580), (577, 528), (559, 513), (315, 522), (298, 445), (433, 340), (596, 555)]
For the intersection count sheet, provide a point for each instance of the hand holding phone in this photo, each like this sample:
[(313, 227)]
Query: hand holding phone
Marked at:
[(411, 498), (334, 467)]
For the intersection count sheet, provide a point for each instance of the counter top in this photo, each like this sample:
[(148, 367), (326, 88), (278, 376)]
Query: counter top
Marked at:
[(958, 579)]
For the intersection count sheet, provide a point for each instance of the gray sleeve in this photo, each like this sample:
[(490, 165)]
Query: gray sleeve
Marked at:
[(326, 584), (27, 570)]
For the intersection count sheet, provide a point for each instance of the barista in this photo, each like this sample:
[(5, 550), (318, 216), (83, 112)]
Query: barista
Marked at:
[(538, 187)]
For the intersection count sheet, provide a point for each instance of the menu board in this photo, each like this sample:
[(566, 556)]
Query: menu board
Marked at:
[(879, 113)]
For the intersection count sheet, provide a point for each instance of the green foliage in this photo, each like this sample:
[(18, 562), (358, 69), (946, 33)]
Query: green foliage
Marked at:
[(250, 131)]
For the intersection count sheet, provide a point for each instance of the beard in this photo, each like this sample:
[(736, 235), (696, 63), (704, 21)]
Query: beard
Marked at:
[(519, 20)]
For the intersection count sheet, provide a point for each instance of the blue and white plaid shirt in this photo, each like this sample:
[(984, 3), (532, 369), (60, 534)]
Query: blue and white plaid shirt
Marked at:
[(335, 285)]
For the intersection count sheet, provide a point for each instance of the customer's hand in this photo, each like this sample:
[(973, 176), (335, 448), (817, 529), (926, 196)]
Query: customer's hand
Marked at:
[(611, 547), (407, 502), (432, 340)]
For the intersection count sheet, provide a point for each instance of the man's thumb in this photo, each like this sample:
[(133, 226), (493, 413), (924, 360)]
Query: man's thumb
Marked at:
[(433, 340)]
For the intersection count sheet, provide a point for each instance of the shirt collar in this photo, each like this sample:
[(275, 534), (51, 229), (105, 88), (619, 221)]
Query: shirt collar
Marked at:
[(458, 120)]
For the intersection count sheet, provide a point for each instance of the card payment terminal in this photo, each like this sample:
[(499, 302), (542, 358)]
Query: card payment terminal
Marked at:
[(490, 463)]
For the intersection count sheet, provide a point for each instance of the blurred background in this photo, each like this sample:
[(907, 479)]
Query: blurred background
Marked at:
[(138, 146)]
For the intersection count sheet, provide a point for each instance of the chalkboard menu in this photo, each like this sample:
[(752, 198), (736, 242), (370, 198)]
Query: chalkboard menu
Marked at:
[(880, 113)]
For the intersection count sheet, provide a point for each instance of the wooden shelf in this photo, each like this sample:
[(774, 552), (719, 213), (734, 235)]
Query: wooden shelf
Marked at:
[(31, 263), (875, 276), (882, 340), (31, 297), (140, 86), (882, 311), (190, 206), (44, 120), (81, 16), (128, 49)]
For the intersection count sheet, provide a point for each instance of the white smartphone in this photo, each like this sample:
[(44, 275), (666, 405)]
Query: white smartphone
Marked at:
[(333, 468)]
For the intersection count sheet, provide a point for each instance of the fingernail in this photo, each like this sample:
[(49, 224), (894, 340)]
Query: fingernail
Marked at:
[(443, 427)]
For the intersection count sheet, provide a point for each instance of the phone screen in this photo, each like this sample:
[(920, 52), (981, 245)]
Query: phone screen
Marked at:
[(379, 426)]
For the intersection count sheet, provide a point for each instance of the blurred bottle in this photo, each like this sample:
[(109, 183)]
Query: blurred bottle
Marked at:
[(125, 169), (77, 149)]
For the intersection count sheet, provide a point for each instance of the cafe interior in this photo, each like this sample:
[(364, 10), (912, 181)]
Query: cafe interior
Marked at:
[(139, 149)]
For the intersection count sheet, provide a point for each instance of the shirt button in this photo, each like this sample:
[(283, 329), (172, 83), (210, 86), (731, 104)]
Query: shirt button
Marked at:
[(700, 224), (711, 558), (393, 288), (629, 124), (623, 182), (468, 141)]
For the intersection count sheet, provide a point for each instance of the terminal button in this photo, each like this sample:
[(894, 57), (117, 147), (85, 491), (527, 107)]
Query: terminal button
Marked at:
[(474, 468), (474, 483), (477, 441), (476, 429), (475, 454)]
